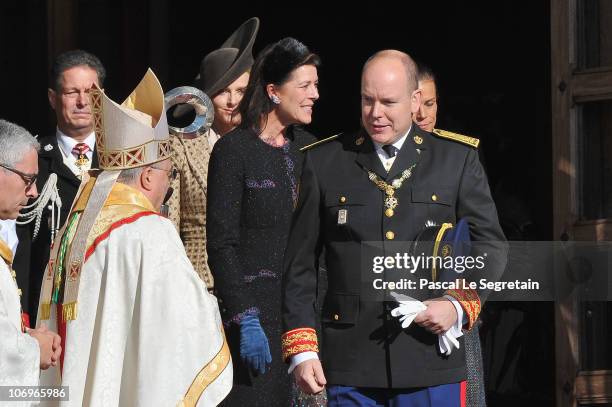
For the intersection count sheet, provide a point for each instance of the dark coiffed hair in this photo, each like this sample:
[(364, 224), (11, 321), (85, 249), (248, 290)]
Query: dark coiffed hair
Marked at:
[(273, 65), (70, 59), (425, 73)]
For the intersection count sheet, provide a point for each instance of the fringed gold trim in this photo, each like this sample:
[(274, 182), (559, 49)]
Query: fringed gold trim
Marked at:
[(45, 311), (69, 311)]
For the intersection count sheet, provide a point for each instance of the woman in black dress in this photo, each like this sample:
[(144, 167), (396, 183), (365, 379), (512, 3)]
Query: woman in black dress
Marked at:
[(252, 189)]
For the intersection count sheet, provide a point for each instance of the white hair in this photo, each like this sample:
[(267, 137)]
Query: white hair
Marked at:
[(130, 176), (15, 143)]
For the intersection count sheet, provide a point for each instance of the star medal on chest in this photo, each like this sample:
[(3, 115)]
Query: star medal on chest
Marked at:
[(391, 201)]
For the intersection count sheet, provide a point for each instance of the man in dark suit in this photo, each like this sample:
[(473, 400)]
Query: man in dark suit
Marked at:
[(68, 153), (383, 185)]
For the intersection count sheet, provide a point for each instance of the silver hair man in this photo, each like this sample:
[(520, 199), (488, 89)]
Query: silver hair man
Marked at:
[(24, 351), (15, 142)]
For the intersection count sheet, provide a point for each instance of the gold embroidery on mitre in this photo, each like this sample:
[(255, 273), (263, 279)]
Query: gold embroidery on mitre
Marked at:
[(142, 116)]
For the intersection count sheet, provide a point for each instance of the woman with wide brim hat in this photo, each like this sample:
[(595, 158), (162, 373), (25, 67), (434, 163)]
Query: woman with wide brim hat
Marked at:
[(223, 76)]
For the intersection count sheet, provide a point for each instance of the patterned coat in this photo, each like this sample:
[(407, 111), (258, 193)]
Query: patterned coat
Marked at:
[(188, 201)]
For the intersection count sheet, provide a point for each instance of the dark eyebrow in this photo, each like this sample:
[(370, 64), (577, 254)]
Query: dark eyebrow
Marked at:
[(73, 89)]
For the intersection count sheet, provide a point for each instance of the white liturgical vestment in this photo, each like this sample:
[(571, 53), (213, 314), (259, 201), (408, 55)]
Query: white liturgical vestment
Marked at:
[(19, 352), (145, 331)]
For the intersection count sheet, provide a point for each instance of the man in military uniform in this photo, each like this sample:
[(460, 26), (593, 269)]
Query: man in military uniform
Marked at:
[(385, 184), (426, 118), (68, 153)]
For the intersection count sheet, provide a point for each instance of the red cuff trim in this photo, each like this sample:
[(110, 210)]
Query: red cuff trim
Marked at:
[(298, 341), (470, 302)]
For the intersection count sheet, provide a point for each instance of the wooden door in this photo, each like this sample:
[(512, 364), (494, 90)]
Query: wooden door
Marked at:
[(582, 186)]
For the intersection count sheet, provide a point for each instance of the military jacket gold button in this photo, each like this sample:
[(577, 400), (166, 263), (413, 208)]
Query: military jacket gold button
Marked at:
[(342, 199), (390, 235), (434, 197), (389, 212), (336, 317)]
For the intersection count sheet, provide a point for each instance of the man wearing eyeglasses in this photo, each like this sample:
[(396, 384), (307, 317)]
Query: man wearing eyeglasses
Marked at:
[(23, 351), (69, 153)]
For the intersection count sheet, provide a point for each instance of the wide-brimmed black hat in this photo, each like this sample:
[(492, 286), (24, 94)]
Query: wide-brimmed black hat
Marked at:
[(234, 57)]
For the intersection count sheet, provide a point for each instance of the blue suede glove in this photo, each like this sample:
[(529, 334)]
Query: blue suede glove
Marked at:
[(254, 347)]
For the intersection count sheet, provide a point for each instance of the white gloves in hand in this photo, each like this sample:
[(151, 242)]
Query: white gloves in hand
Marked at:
[(409, 308)]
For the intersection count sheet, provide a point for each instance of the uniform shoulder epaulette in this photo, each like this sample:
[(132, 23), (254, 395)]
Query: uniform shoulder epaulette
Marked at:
[(316, 143), (470, 141)]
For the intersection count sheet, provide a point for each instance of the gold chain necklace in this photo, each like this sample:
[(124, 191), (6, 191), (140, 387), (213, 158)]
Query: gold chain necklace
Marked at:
[(391, 200)]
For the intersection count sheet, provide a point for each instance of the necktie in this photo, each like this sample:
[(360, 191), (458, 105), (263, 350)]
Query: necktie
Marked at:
[(80, 150), (390, 150)]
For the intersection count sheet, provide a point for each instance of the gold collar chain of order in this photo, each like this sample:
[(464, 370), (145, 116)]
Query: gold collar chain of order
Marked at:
[(391, 200)]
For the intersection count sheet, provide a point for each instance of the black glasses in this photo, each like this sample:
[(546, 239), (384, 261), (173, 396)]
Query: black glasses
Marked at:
[(28, 179), (172, 174)]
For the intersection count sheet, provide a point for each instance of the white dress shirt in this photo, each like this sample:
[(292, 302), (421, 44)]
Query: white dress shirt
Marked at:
[(66, 144), (8, 233), (387, 161)]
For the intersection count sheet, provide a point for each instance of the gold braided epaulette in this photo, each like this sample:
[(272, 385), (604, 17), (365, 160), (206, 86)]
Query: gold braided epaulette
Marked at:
[(316, 143), (470, 141)]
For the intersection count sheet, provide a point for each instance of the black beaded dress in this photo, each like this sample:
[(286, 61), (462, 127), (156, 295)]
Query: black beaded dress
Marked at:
[(252, 190)]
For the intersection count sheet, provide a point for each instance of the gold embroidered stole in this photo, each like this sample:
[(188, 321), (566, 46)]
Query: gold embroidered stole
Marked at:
[(123, 202), (6, 253)]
